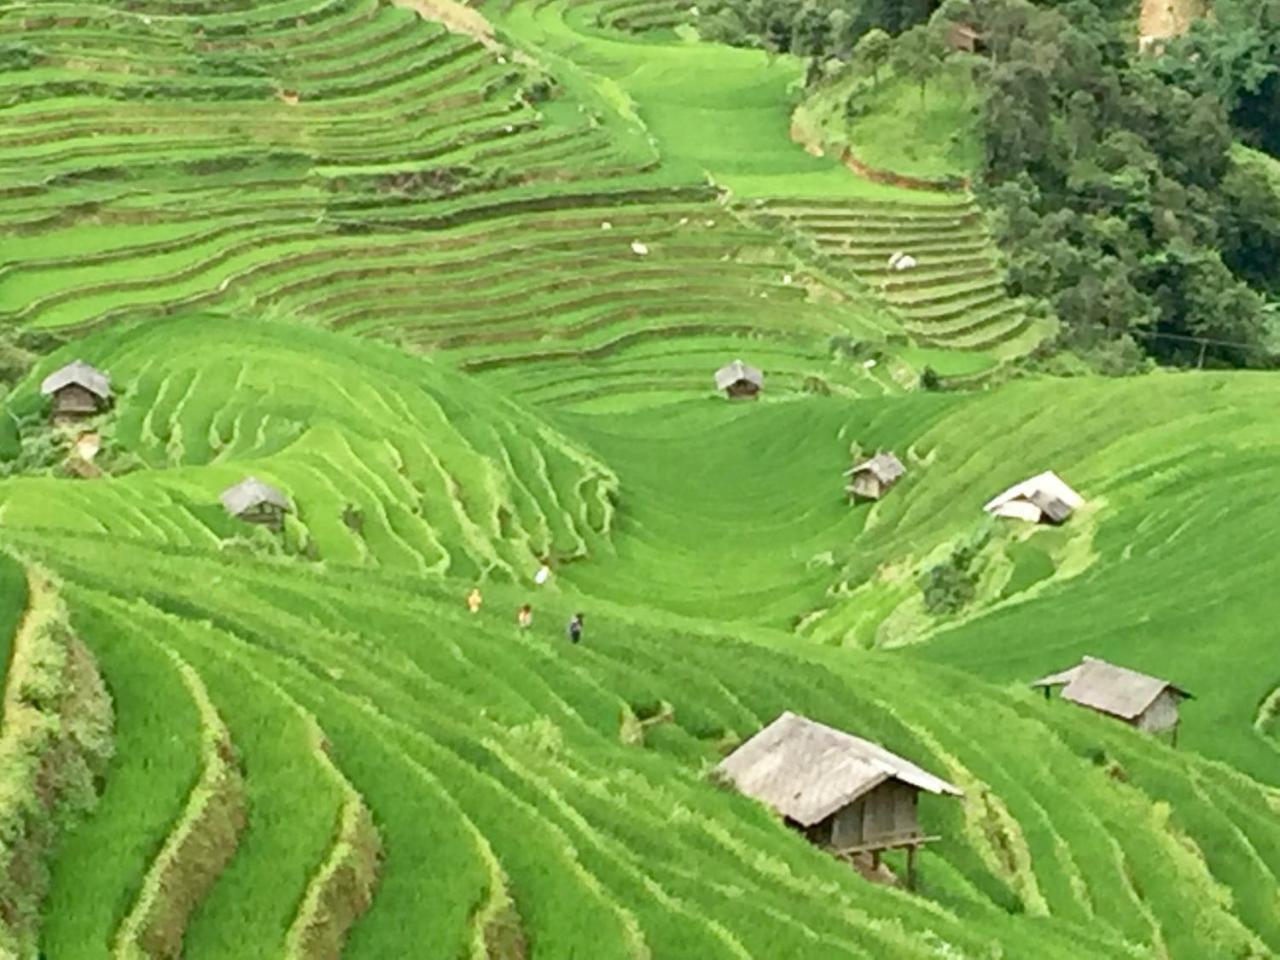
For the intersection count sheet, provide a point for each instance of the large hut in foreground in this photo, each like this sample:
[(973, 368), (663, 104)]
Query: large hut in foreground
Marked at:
[(846, 794), (1146, 702)]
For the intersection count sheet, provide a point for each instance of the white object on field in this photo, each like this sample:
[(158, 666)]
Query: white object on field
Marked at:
[(868, 364), (893, 257), (709, 223), (639, 249), (606, 225), (543, 575), (786, 279), (906, 263)]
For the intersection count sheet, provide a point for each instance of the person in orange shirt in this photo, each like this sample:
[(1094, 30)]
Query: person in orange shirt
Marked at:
[(474, 600), (524, 617)]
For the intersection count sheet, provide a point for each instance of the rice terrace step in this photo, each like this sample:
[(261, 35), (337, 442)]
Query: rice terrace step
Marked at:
[(472, 487)]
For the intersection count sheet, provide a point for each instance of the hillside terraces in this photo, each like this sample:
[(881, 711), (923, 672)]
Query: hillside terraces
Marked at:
[(390, 460), (371, 152), (546, 797), (954, 297)]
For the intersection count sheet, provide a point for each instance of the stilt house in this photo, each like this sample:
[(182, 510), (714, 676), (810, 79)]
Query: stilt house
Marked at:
[(1146, 702), (78, 390), (1044, 498), (739, 380), (872, 478), (253, 501), (844, 793)]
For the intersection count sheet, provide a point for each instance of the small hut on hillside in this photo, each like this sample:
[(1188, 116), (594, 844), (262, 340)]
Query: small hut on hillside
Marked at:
[(846, 794), (871, 479), (253, 501), (963, 37), (739, 380), (1146, 702), (78, 390), (1044, 498)]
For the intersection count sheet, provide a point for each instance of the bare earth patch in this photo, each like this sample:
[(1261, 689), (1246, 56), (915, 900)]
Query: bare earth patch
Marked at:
[(1161, 19), (455, 16)]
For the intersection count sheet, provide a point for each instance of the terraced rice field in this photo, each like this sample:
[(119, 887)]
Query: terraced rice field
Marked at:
[(953, 297), (463, 326)]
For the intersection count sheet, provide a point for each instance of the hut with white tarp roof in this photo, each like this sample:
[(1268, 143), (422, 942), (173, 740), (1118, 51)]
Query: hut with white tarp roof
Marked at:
[(1146, 702), (1045, 498), (846, 794)]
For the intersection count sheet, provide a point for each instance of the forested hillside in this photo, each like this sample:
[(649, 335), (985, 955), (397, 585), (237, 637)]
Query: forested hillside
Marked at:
[(392, 551), (1112, 169)]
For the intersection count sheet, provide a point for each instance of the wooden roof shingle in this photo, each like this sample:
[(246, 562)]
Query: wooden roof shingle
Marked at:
[(252, 492), (731, 373), (1105, 687), (885, 467), (806, 771), (80, 374)]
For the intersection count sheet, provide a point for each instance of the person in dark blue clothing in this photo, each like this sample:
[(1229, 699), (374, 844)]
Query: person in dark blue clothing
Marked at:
[(575, 628)]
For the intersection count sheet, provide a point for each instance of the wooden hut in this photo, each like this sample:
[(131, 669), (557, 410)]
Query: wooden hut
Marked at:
[(1143, 701), (739, 380), (253, 501), (871, 479), (963, 37), (846, 794), (78, 390), (1045, 498)]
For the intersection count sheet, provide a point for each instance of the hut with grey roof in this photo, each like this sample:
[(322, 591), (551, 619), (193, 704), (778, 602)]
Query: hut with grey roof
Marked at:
[(739, 380), (253, 501), (1146, 702), (871, 479), (846, 794), (78, 390)]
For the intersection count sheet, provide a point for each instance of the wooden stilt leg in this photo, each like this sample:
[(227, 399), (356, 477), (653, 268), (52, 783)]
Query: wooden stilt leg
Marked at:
[(911, 868)]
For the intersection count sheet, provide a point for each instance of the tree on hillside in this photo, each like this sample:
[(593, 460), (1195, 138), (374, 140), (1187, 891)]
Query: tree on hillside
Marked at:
[(1115, 194), (1235, 56), (872, 52), (918, 54)]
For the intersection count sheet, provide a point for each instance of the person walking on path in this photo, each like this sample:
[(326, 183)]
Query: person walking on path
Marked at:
[(474, 600), (524, 617), (575, 628)]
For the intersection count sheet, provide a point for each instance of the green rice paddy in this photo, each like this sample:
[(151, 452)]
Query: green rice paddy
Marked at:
[(333, 246)]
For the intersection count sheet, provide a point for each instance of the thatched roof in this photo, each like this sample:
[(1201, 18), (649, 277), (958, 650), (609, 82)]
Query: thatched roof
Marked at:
[(731, 373), (1103, 686), (249, 493), (807, 771), (79, 374), (1045, 494), (884, 466)]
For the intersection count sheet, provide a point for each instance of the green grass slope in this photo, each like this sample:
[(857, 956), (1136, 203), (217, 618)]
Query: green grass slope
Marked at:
[(333, 245), (391, 460), (603, 835)]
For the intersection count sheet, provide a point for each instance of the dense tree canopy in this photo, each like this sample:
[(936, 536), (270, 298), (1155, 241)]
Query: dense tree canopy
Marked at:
[(1116, 195), (810, 28)]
